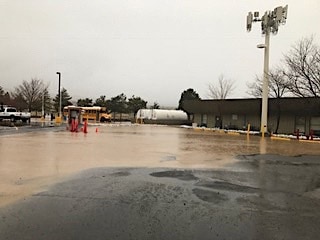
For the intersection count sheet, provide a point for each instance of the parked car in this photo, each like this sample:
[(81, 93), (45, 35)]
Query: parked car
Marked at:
[(13, 115)]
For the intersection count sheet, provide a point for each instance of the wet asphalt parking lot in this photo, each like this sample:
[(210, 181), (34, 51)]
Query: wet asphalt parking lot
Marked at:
[(156, 182)]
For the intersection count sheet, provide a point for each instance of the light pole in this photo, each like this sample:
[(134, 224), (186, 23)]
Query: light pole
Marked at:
[(270, 22), (265, 84), (59, 94), (42, 108)]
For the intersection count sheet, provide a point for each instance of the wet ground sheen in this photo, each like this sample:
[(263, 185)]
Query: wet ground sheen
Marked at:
[(156, 182)]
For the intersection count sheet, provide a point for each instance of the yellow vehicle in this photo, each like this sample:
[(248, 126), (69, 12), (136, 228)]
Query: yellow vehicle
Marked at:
[(95, 113)]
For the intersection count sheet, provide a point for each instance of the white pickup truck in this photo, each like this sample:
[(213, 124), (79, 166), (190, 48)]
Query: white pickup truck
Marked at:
[(13, 115)]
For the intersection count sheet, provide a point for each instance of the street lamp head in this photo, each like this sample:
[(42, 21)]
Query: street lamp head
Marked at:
[(58, 73), (261, 46)]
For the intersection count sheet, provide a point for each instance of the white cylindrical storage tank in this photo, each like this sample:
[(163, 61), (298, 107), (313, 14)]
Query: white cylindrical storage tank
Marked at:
[(144, 114), (162, 116)]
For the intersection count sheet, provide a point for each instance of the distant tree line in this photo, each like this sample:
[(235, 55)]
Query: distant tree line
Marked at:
[(33, 95), (117, 104)]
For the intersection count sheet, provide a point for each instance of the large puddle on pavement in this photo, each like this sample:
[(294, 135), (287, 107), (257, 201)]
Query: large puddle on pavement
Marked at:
[(33, 160)]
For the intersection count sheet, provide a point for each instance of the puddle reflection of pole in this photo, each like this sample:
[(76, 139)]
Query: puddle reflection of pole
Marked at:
[(263, 145), (248, 131)]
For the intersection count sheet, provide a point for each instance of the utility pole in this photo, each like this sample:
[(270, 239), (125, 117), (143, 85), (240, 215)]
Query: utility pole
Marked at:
[(59, 94), (42, 110), (270, 22)]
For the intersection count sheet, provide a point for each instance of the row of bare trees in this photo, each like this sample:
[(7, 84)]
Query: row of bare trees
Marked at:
[(298, 75)]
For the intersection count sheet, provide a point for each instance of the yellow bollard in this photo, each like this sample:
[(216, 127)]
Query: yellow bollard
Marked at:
[(58, 119)]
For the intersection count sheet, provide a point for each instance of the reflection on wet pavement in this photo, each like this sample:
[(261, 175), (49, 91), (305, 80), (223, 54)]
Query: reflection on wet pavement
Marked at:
[(161, 203), (32, 161)]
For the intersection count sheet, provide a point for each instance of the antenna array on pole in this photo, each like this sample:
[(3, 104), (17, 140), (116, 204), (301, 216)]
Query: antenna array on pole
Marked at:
[(270, 20)]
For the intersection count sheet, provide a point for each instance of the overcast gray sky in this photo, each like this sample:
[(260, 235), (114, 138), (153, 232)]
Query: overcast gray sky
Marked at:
[(154, 49)]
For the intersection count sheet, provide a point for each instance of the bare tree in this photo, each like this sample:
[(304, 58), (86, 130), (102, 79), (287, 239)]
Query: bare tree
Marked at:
[(1, 91), (222, 89), (303, 68), (31, 93), (278, 85), (2, 94), (278, 88), (4, 97)]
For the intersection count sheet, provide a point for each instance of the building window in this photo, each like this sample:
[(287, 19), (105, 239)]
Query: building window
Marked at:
[(300, 124), (204, 120), (315, 125)]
